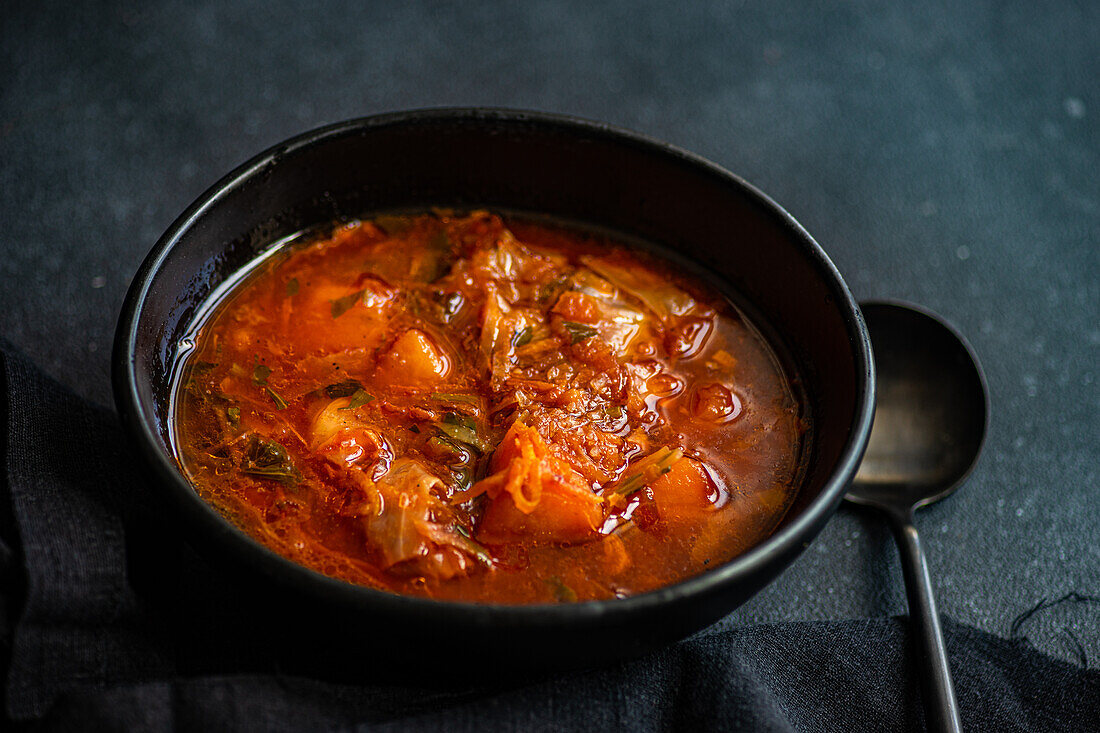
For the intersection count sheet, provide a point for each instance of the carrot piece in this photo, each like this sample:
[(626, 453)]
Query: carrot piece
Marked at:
[(509, 448)]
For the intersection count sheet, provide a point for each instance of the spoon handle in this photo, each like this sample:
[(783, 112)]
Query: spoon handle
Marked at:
[(941, 711)]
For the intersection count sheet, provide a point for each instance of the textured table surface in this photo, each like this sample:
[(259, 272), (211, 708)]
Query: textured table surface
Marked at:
[(946, 155)]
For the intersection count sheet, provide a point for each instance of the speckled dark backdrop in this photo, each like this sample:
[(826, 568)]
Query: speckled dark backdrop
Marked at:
[(947, 154)]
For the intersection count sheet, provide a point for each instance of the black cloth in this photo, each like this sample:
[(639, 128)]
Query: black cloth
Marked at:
[(111, 622)]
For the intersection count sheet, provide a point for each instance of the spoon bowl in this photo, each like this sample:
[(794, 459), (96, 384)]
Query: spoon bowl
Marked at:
[(931, 413), (931, 409)]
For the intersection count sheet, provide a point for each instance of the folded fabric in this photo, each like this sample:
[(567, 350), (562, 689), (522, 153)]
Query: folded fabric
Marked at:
[(111, 622)]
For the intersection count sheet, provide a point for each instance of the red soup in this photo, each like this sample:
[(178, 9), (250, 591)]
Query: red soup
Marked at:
[(487, 409)]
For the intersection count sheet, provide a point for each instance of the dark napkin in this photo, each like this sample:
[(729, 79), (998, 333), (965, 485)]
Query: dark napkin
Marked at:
[(110, 621)]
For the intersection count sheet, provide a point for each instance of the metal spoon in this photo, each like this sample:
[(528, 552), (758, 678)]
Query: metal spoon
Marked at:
[(930, 422)]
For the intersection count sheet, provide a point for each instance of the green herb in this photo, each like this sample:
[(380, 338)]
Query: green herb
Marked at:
[(233, 414), (340, 306), (358, 399), (463, 429), (468, 399), (578, 331), (260, 373), (442, 445), (268, 459), (644, 471), (464, 478), (471, 544), (342, 389), (614, 411), (523, 337), (552, 289), (635, 482), (454, 451), (280, 403), (414, 429), (291, 287), (275, 473), (464, 421), (562, 592)]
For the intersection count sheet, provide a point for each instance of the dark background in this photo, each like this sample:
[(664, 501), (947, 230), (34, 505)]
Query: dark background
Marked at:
[(942, 153)]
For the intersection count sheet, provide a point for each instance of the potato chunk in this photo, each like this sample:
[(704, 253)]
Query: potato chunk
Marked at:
[(413, 360), (566, 514), (535, 496)]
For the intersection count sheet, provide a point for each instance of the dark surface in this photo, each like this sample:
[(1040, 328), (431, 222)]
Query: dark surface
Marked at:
[(945, 155), (122, 627)]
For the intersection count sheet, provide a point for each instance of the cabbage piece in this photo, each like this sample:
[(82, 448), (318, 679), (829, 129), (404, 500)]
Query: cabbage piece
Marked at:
[(341, 436), (619, 325), (330, 420), (509, 261), (660, 296), (620, 322), (496, 346), (503, 328), (404, 525)]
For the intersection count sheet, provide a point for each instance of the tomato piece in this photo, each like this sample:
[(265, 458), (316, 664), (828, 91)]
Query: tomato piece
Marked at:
[(717, 403), (579, 307)]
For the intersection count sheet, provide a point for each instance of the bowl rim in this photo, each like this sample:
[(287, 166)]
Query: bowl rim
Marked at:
[(799, 531)]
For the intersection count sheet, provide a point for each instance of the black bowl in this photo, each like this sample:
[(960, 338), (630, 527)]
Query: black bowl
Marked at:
[(572, 170)]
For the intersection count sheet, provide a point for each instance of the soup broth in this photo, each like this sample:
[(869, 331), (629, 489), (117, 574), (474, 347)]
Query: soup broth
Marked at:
[(489, 409)]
